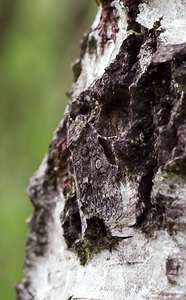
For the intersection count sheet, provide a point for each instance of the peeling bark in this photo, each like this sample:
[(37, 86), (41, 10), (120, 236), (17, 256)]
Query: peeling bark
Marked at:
[(109, 198)]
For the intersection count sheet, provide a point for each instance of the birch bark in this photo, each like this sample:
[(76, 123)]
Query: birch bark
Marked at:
[(109, 197)]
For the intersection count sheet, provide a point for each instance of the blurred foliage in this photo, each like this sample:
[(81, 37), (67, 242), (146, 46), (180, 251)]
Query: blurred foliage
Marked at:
[(38, 40)]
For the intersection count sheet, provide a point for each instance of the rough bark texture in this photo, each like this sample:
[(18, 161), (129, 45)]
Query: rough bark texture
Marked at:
[(109, 198)]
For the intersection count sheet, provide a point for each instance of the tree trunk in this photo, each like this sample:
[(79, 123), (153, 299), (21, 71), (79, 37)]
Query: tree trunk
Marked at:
[(109, 198)]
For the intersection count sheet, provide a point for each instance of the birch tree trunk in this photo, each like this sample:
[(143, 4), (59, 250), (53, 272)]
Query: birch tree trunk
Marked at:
[(109, 197)]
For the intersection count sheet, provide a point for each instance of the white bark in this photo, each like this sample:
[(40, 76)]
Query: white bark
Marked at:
[(137, 269)]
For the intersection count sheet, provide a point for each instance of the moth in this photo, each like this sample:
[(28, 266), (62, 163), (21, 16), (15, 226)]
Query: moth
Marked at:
[(96, 178)]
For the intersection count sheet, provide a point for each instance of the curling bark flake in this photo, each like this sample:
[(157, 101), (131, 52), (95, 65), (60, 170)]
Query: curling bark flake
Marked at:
[(109, 198)]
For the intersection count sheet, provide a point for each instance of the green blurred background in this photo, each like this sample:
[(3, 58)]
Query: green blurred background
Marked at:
[(38, 40)]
